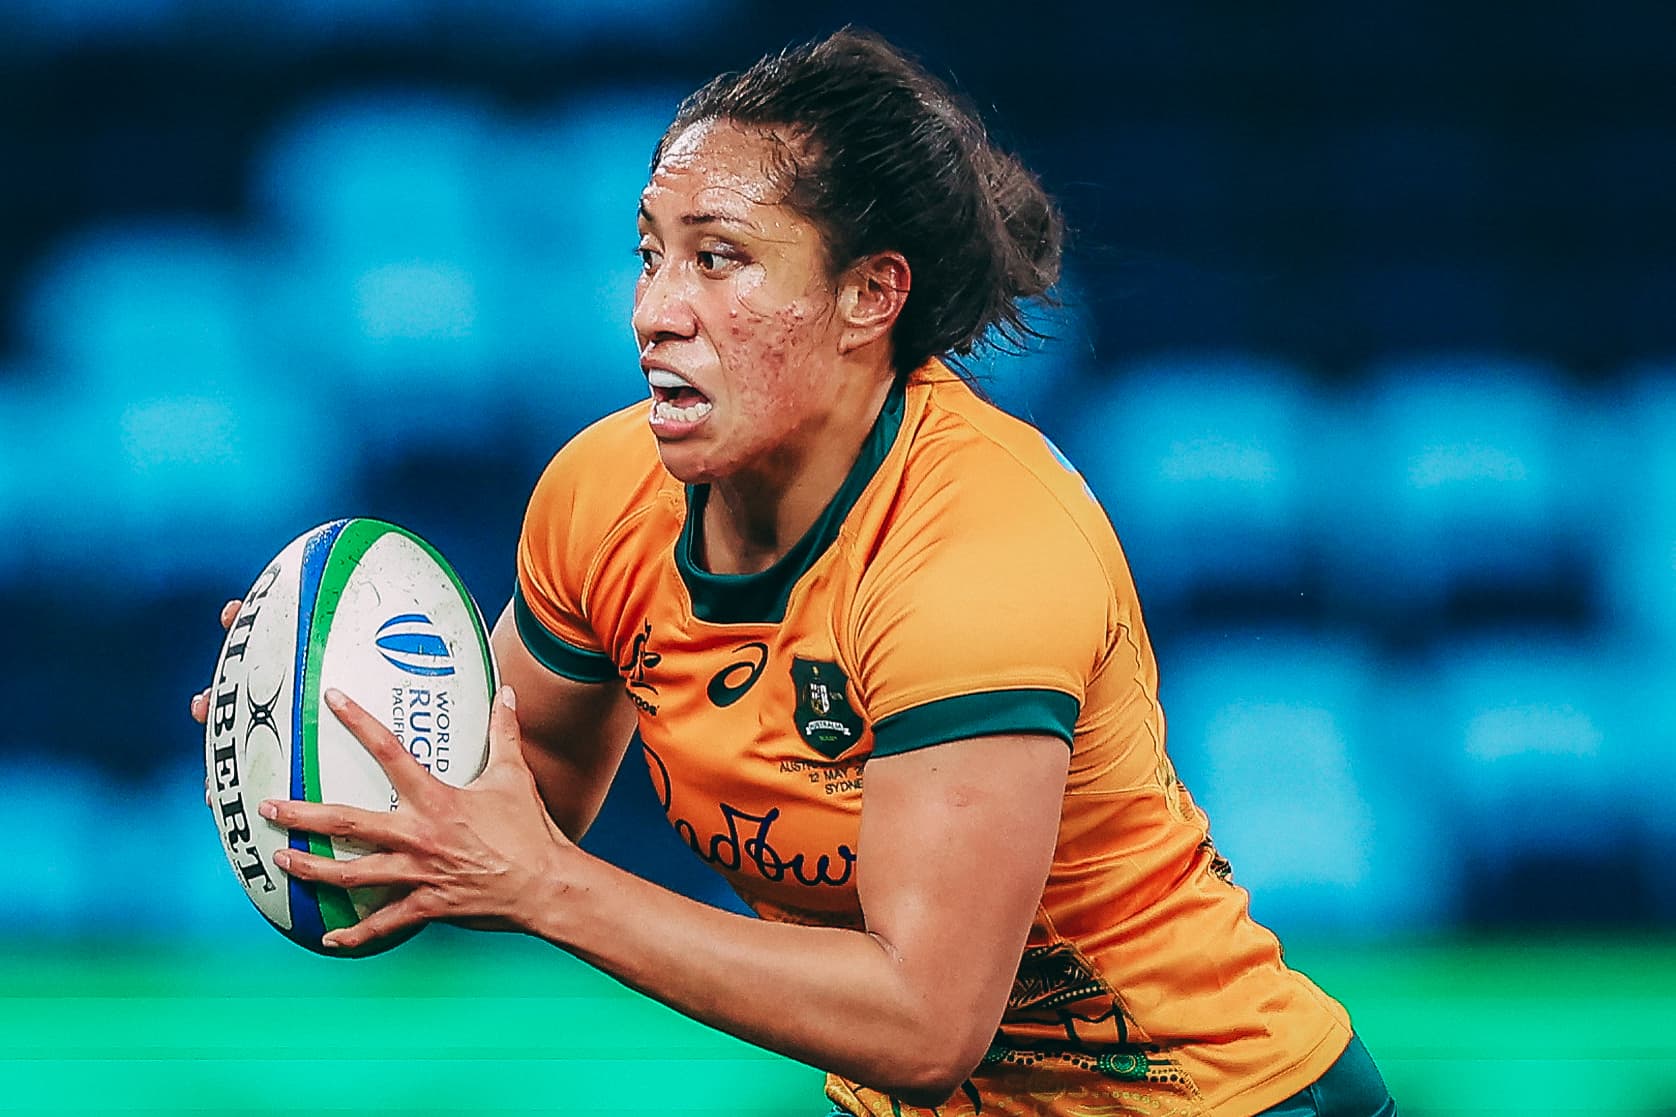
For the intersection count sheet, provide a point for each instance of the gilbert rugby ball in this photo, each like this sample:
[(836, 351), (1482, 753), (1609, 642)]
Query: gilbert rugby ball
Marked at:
[(376, 612)]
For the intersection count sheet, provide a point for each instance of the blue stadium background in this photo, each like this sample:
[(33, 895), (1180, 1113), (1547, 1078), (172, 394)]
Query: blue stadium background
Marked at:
[(1368, 348)]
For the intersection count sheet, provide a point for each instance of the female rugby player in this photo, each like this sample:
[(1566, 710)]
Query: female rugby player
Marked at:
[(882, 648)]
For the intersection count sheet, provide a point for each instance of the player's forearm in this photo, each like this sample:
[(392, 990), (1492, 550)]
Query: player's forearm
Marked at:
[(573, 733), (840, 1000), (573, 794)]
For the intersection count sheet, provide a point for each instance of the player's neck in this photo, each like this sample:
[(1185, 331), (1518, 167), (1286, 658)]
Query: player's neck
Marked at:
[(755, 517)]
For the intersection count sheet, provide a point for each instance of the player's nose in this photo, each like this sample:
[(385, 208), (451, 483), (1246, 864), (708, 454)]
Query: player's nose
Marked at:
[(663, 306)]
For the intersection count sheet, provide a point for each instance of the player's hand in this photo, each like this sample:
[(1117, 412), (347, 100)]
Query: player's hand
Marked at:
[(200, 701), (483, 855)]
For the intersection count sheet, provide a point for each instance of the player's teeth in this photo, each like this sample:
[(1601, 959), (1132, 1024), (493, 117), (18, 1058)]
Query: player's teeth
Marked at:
[(665, 412)]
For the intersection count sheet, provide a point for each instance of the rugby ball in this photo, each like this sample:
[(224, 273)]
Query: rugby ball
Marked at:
[(375, 611)]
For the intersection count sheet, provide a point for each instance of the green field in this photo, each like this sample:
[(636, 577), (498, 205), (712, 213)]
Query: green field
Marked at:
[(455, 1023)]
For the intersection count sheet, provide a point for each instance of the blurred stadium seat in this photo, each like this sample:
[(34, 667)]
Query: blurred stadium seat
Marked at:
[(203, 893), (1650, 734), (20, 427), (1637, 501), (52, 880), (380, 258), (563, 192), (379, 175), (167, 306), (1454, 491), (1540, 759), (470, 276), (1204, 463), (161, 427), (131, 491), (1280, 737), (1637, 549), (75, 869)]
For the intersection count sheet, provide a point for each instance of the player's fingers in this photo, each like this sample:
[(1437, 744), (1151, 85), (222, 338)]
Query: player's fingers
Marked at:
[(200, 706), (355, 872), (413, 784), (229, 612), (388, 920), (382, 829)]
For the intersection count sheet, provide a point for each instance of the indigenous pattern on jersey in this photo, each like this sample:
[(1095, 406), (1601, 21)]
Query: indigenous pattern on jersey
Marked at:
[(962, 582)]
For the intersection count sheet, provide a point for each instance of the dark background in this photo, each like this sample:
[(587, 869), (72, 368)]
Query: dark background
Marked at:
[(1367, 347), (1359, 226)]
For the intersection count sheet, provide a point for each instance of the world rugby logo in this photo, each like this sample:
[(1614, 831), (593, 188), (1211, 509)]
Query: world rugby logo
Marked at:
[(412, 643)]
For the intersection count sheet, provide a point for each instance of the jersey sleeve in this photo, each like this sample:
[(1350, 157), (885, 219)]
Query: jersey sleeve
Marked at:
[(555, 556), (989, 619)]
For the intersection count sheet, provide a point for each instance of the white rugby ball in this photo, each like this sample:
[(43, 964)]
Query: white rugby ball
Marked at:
[(375, 611)]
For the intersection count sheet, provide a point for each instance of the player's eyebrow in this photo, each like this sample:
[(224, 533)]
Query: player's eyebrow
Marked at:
[(693, 219)]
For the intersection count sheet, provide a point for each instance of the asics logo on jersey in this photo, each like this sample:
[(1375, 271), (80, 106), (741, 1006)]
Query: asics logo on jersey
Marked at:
[(729, 685)]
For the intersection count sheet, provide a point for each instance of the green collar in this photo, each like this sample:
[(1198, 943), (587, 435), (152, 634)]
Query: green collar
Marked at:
[(760, 598)]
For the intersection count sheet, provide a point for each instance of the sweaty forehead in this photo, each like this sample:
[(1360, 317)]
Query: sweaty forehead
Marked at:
[(715, 166)]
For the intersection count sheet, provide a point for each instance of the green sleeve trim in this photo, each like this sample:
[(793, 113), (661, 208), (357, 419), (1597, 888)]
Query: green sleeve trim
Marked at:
[(986, 714), (559, 656)]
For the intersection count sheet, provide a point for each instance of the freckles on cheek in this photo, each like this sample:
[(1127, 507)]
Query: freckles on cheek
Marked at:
[(772, 342)]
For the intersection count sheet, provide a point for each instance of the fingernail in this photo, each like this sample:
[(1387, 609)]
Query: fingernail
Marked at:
[(334, 697), (331, 938), (282, 858), (267, 808), (508, 698)]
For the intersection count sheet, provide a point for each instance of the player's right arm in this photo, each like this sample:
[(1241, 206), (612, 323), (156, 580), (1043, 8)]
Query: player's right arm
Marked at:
[(575, 716), (574, 733)]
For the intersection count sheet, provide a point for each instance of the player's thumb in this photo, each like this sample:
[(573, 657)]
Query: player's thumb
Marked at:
[(503, 728)]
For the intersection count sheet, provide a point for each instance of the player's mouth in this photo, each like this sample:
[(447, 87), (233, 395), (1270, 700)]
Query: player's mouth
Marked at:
[(677, 406)]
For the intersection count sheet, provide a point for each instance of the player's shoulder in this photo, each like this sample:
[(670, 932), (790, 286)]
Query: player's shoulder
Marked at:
[(991, 466), (602, 474), (623, 437)]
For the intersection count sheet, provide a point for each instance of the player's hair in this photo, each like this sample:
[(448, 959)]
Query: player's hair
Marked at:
[(880, 156)]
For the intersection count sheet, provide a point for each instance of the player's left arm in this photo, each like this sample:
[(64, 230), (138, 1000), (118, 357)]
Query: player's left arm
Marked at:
[(956, 843)]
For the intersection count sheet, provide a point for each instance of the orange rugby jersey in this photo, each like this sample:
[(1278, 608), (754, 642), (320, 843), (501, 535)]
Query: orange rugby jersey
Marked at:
[(962, 582)]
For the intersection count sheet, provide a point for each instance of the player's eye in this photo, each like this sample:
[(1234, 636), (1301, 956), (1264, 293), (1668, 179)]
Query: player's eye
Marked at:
[(715, 261), (649, 258)]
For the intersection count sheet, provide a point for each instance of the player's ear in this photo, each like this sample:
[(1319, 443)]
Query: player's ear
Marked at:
[(871, 293)]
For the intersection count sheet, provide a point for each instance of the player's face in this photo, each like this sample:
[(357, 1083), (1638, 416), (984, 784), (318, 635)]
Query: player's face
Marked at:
[(734, 310)]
